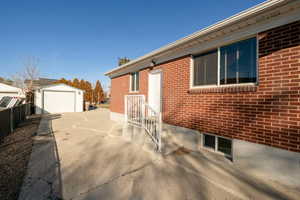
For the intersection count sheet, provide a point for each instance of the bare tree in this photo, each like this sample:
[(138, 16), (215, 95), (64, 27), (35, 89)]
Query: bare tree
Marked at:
[(31, 72), (18, 81), (24, 79)]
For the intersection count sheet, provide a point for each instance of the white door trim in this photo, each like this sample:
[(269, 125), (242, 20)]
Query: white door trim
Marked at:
[(161, 86)]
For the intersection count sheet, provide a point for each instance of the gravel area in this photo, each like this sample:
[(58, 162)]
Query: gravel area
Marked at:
[(15, 152)]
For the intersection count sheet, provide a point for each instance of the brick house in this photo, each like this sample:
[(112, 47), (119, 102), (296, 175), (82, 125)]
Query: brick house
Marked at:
[(232, 88)]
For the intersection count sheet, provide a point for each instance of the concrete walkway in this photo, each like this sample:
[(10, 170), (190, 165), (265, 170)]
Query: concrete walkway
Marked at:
[(84, 156)]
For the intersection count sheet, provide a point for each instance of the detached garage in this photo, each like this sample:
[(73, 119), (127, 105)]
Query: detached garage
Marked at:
[(58, 98)]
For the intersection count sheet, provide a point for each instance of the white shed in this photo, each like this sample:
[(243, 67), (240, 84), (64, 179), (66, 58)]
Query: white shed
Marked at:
[(58, 98), (11, 91)]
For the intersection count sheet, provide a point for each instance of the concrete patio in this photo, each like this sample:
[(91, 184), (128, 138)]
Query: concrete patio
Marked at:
[(85, 156)]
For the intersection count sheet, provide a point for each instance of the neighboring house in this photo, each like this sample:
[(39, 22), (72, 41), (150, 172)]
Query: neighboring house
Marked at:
[(58, 98), (232, 88), (6, 81), (40, 82), (11, 91)]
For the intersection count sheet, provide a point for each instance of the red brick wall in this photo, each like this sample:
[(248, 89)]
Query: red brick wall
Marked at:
[(268, 113), (120, 87)]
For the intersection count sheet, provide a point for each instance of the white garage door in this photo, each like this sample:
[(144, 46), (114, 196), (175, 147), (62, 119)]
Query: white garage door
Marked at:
[(59, 101)]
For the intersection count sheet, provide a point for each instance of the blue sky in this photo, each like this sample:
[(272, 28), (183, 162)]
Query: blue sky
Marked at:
[(84, 39)]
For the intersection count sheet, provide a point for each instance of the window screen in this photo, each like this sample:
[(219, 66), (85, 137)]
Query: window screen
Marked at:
[(134, 81), (238, 62), (209, 141), (137, 81), (224, 145), (206, 68)]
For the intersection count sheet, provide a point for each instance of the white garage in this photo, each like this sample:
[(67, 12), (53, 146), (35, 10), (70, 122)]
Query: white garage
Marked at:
[(58, 98)]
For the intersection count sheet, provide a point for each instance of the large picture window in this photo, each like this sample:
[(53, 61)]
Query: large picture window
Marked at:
[(206, 68), (134, 82), (231, 64)]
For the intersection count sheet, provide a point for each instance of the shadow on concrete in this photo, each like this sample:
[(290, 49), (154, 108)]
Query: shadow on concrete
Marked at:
[(226, 174), (43, 178), (99, 167)]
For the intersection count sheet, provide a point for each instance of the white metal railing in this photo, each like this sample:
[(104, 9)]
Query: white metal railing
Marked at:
[(139, 113)]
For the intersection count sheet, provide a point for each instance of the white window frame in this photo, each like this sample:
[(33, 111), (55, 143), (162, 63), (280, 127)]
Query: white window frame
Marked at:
[(215, 150), (130, 82), (218, 85)]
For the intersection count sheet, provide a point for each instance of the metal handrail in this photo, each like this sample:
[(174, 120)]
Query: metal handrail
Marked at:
[(139, 112)]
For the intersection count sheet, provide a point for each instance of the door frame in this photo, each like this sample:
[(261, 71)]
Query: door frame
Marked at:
[(155, 71)]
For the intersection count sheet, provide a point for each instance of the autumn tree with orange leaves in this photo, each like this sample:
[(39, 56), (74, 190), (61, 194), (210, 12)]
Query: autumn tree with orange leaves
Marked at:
[(92, 95), (98, 96)]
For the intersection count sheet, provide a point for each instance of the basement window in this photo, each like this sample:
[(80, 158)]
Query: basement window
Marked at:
[(134, 82), (218, 144), (209, 141), (224, 146)]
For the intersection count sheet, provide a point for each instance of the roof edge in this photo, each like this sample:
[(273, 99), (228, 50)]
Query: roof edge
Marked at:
[(56, 84), (230, 20)]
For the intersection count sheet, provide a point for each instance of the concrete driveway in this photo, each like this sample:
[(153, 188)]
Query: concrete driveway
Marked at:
[(84, 156)]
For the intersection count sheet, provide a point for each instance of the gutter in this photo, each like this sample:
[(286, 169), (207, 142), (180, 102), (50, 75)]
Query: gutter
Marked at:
[(233, 19)]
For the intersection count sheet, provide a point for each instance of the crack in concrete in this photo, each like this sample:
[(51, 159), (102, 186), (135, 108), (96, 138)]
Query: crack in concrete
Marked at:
[(227, 189), (51, 195), (118, 177)]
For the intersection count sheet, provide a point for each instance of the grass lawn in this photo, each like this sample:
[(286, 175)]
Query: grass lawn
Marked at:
[(15, 152)]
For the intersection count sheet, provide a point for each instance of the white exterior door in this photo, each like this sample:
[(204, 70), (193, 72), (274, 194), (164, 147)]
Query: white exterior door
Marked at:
[(59, 101), (155, 90)]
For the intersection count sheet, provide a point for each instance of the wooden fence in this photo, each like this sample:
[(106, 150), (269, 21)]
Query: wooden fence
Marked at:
[(10, 118)]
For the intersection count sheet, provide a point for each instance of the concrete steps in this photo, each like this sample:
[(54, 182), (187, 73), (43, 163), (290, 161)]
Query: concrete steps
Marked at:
[(139, 136)]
